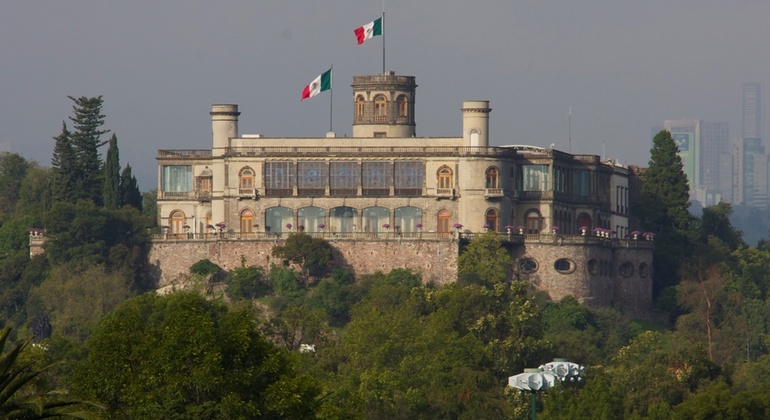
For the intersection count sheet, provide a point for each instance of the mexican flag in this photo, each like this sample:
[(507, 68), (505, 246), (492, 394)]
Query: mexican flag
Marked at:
[(368, 31), (320, 84)]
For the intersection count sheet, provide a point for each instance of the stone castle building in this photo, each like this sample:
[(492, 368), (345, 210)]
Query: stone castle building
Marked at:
[(387, 198)]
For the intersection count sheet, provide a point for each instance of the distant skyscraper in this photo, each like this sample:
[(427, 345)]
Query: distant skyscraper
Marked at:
[(686, 135), (715, 141), (752, 111)]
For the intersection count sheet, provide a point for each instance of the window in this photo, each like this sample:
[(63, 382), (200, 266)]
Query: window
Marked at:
[(279, 179), (311, 178), (344, 178), (360, 103), (276, 219), (380, 108), (377, 178), (474, 137), (643, 270), (445, 180), (527, 266), (582, 182), (626, 269), (533, 222), (375, 218), (409, 176), (177, 178), (208, 221), (593, 267), (177, 222), (492, 178), (403, 106), (408, 219), (246, 179), (564, 266), (442, 223), (343, 219), (559, 182), (490, 220), (584, 221), (247, 221), (312, 218), (534, 177)]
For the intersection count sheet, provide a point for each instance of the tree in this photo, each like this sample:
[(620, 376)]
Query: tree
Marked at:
[(64, 163), (13, 169), (715, 222), (663, 209), (111, 187), (313, 255), (129, 190), (484, 261), (87, 122), (181, 356), (246, 283)]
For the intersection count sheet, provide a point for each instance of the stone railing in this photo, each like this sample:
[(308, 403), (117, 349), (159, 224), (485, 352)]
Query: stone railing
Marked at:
[(337, 151)]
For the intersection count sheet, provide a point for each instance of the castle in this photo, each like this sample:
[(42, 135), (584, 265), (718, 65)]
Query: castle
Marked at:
[(386, 198)]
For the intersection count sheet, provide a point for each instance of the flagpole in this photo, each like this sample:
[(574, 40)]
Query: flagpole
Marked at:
[(331, 95), (383, 36)]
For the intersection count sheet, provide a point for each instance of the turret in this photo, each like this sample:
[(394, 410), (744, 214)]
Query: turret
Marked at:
[(383, 106), (476, 123), (224, 126)]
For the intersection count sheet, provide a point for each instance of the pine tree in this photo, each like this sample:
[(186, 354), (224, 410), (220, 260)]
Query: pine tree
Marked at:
[(64, 164), (85, 140), (111, 185), (129, 190)]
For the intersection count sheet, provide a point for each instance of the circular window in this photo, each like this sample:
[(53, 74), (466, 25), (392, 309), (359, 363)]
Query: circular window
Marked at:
[(643, 270), (593, 267), (626, 269), (564, 266), (527, 265)]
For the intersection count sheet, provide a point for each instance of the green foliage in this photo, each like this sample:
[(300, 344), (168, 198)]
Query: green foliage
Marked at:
[(484, 261), (181, 356), (129, 190), (13, 170), (87, 121), (65, 171), (246, 283), (313, 255), (285, 281), (715, 222), (205, 268), (150, 206), (111, 184)]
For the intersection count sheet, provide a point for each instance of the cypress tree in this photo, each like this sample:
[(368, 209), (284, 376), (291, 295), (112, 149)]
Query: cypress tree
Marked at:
[(111, 185), (129, 190), (64, 168), (86, 139)]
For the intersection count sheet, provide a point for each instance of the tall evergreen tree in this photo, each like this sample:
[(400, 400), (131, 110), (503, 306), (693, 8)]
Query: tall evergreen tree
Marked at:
[(86, 138), (663, 209), (111, 185), (64, 163), (129, 190)]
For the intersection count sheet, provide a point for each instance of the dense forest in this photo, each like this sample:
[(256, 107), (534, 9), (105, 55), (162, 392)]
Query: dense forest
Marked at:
[(86, 336)]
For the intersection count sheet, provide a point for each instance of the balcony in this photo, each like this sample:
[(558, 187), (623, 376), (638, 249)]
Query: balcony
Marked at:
[(204, 196), (445, 192), (247, 193), (493, 193), (176, 195)]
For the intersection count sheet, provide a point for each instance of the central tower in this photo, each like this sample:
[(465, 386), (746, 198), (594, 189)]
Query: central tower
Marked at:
[(383, 106)]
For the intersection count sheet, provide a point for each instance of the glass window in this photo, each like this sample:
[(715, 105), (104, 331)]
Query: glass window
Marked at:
[(443, 226), (445, 178), (276, 219), (409, 178), (177, 178), (408, 219), (527, 266), (279, 178), (247, 178), (584, 221), (564, 266), (177, 222), (533, 222), (311, 178), (582, 182), (492, 178), (380, 106), (360, 103), (344, 178), (626, 269), (343, 219), (490, 220), (377, 178), (374, 218), (247, 221), (403, 106), (534, 177), (312, 218)]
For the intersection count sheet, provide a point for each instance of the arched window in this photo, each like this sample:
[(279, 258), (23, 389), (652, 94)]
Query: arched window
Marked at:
[(208, 220), (246, 178), (374, 219), (532, 222), (408, 219), (492, 179), (360, 102), (247, 221), (276, 219), (177, 222), (474, 137), (403, 106), (443, 228), (343, 219), (445, 180), (380, 108), (490, 220), (312, 218)]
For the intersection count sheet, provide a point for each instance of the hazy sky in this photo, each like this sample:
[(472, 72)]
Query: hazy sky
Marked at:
[(623, 66)]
